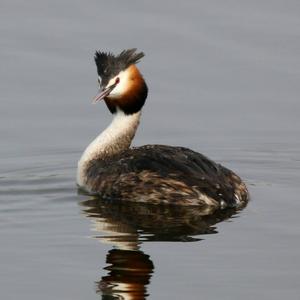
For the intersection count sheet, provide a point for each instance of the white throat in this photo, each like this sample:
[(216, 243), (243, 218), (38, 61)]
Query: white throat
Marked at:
[(114, 139)]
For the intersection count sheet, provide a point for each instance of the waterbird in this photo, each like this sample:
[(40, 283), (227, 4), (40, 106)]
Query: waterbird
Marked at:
[(156, 174)]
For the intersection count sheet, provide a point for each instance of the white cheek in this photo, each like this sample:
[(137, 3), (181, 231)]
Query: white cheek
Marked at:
[(122, 86)]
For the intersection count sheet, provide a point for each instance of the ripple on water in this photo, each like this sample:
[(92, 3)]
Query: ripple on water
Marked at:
[(36, 191)]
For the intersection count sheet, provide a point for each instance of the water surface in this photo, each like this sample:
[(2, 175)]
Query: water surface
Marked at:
[(223, 80)]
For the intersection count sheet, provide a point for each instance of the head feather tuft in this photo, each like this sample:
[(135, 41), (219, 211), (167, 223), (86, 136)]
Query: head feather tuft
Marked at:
[(109, 65)]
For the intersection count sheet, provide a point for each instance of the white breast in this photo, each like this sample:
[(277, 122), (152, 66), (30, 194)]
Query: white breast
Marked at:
[(115, 138)]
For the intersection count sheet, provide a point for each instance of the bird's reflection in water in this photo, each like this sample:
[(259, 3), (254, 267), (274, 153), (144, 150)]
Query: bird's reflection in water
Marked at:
[(127, 225), (128, 275)]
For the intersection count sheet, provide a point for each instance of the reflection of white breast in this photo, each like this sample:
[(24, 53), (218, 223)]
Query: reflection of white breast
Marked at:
[(124, 291), (120, 235)]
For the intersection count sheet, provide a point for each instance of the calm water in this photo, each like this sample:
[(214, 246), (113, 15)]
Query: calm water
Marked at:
[(223, 79)]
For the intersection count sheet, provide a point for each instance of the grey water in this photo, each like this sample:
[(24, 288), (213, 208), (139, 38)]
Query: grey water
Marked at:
[(224, 80)]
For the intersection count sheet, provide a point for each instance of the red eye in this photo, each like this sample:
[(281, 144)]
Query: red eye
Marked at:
[(117, 80)]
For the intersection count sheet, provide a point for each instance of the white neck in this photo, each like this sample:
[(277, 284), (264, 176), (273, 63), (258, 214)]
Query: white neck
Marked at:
[(114, 139)]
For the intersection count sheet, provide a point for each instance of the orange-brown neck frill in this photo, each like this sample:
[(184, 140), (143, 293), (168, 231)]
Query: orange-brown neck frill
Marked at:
[(134, 97)]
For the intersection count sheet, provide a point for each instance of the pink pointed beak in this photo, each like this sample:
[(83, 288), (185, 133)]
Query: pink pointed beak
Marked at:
[(104, 92)]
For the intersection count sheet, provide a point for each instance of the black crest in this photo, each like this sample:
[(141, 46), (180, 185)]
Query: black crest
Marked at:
[(109, 65)]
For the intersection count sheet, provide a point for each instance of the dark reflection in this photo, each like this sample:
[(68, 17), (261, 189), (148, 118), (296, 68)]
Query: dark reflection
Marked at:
[(127, 225), (129, 273)]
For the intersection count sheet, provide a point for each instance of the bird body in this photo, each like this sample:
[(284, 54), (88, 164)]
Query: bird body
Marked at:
[(155, 174)]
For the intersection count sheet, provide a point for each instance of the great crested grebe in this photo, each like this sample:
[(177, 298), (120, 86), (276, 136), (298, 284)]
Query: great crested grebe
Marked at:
[(156, 174)]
